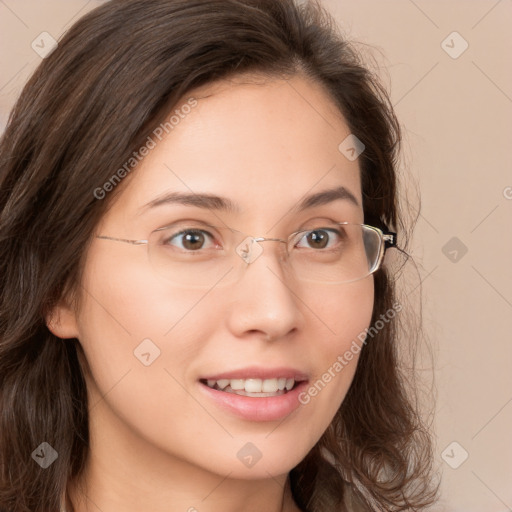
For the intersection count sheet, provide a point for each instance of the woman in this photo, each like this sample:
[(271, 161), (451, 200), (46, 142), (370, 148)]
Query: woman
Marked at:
[(196, 198)]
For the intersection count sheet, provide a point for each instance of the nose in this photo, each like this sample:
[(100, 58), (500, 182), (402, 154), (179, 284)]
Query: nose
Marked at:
[(264, 300)]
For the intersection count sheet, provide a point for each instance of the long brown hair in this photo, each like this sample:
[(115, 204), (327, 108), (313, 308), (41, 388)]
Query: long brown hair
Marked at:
[(113, 77)]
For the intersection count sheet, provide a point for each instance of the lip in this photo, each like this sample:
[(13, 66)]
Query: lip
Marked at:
[(250, 408), (255, 372)]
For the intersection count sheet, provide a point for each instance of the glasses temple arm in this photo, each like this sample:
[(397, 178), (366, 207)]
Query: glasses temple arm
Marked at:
[(390, 239)]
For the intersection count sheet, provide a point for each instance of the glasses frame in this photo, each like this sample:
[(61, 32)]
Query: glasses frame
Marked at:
[(388, 239)]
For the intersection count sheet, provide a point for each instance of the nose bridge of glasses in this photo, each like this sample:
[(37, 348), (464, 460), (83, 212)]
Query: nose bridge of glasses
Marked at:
[(249, 249), (264, 239)]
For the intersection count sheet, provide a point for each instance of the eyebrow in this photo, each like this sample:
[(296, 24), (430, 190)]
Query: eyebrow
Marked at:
[(326, 197), (218, 203)]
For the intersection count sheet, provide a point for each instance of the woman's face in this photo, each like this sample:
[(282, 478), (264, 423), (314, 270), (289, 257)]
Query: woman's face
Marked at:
[(151, 343)]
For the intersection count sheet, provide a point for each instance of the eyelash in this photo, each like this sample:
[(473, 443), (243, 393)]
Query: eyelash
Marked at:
[(185, 231), (167, 241)]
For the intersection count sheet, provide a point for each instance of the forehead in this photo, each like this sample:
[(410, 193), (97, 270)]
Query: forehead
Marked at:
[(263, 143)]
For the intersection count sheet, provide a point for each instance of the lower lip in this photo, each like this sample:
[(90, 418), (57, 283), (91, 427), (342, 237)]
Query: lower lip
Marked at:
[(250, 408)]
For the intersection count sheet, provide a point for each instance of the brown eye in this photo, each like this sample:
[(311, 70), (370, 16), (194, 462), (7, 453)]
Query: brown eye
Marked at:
[(319, 238), (190, 239)]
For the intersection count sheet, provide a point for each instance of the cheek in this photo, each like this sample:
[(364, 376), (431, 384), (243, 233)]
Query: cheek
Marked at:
[(345, 317), (345, 314), (136, 333), (131, 322), (123, 299)]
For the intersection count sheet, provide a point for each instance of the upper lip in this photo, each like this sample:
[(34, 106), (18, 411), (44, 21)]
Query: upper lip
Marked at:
[(256, 372)]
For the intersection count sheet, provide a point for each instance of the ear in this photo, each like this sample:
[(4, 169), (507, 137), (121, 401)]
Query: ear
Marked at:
[(62, 321)]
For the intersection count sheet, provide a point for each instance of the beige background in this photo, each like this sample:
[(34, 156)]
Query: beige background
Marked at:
[(458, 124)]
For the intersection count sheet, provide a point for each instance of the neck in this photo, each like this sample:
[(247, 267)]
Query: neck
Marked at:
[(123, 472), (228, 495)]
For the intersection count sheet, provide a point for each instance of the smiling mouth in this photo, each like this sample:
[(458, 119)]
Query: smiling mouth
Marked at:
[(253, 387)]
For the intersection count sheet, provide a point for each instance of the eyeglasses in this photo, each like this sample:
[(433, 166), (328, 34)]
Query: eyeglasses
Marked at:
[(195, 254)]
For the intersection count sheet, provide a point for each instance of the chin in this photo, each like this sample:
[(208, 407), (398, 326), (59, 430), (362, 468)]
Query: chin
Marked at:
[(261, 458)]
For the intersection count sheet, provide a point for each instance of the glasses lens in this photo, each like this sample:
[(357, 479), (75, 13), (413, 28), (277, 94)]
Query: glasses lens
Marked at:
[(193, 254), (199, 255), (335, 254), (373, 244)]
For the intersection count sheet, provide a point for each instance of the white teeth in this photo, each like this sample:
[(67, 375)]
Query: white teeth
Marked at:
[(253, 385), (269, 386), (257, 395), (237, 384), (222, 383)]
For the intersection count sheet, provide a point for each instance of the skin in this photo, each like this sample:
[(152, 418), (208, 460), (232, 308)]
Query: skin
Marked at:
[(157, 443)]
